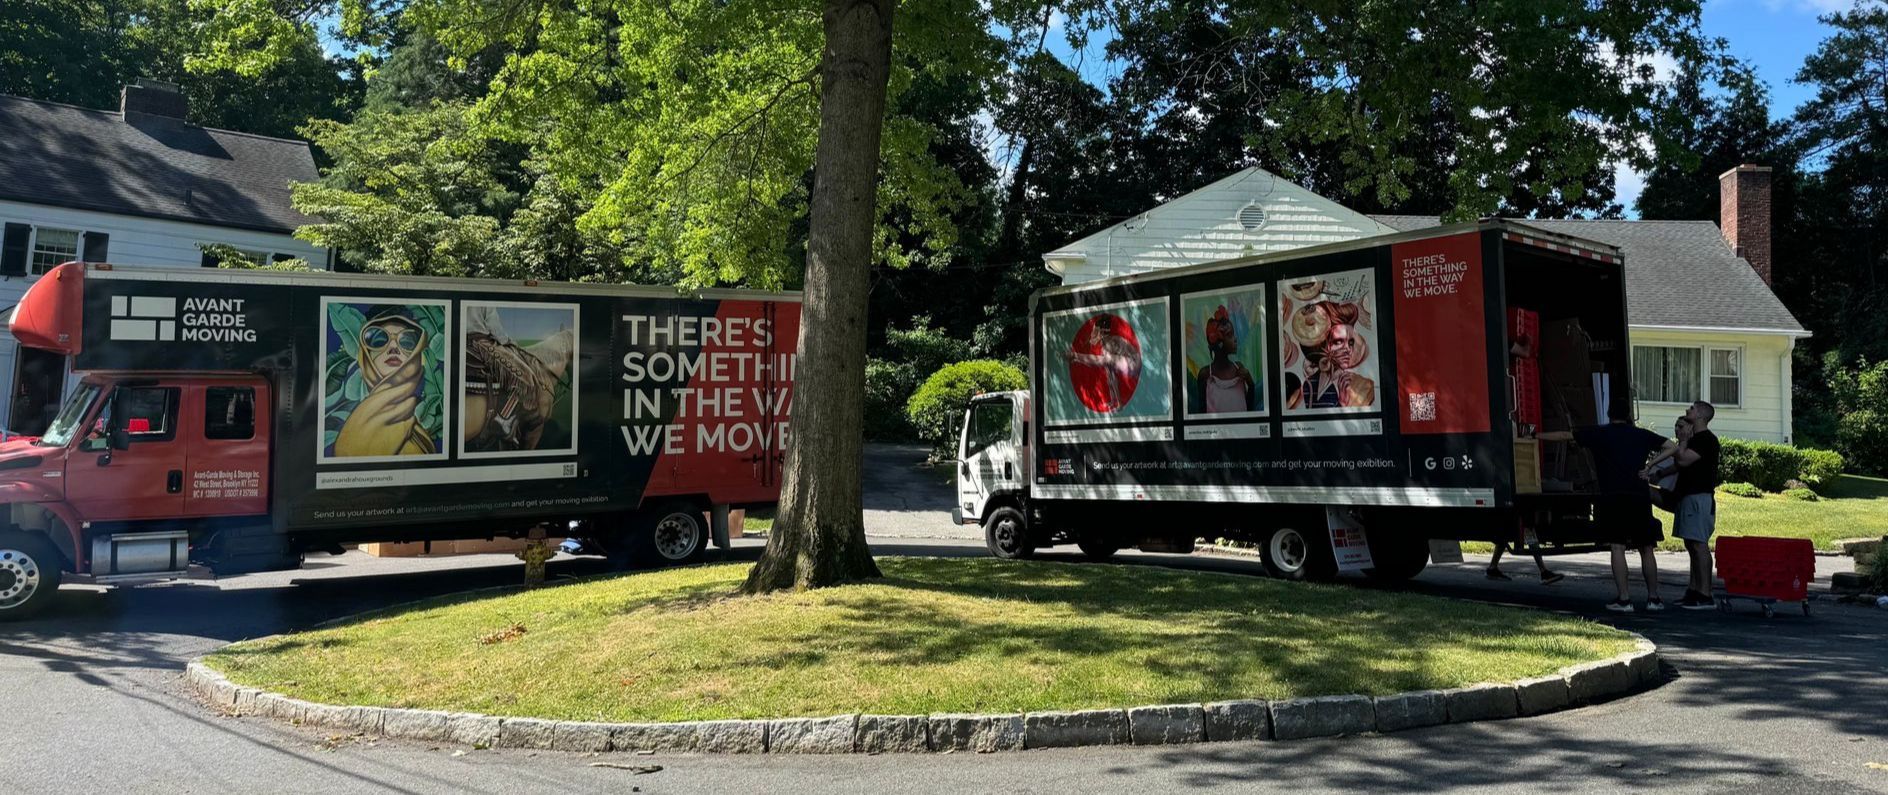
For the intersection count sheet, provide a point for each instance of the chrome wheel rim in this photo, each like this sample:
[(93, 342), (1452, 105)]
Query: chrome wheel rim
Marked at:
[(1288, 550), (19, 578), (677, 536)]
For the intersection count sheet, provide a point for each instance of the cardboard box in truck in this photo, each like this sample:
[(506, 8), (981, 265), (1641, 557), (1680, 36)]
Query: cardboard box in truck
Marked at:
[(1305, 400), (239, 420)]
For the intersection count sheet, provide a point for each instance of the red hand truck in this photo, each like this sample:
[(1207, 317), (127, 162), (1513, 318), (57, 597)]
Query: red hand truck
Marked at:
[(1766, 571)]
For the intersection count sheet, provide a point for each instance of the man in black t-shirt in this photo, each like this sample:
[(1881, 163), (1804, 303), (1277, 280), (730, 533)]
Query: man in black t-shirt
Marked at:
[(1697, 509), (1624, 504)]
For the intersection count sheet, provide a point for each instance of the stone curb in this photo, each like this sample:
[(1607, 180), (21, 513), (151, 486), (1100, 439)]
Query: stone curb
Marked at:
[(1219, 721)]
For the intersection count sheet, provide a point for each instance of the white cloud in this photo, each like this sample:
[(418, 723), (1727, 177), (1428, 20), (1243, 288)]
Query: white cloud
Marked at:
[(1627, 185)]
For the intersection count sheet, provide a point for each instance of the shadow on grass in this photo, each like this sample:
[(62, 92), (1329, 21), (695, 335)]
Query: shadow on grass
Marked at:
[(1194, 632)]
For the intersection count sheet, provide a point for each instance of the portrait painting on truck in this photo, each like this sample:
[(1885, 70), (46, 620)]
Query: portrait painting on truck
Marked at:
[(518, 365), (383, 387), (1328, 344), (1224, 343), (1107, 364)]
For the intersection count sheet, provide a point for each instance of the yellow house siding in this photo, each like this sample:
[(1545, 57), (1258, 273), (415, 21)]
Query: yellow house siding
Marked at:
[(1764, 413)]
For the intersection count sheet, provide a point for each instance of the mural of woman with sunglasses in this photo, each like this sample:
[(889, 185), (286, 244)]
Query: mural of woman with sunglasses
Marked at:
[(393, 415)]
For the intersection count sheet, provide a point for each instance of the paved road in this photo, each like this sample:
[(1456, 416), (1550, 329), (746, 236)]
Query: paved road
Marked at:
[(91, 701)]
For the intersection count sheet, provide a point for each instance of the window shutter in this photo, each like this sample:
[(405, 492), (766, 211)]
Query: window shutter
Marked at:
[(13, 250), (95, 247), (281, 257), (208, 261)]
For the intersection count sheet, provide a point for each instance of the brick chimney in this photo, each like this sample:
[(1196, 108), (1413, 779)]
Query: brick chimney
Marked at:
[(1744, 215), (153, 98)]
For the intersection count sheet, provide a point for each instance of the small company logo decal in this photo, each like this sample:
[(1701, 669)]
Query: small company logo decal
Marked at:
[(143, 317), (156, 319)]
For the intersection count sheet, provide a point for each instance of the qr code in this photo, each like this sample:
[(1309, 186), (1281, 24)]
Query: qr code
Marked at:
[(1422, 406)]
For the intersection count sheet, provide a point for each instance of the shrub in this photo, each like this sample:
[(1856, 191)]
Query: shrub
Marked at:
[(936, 410), (1771, 466), (1741, 489), (1821, 467), (1801, 494)]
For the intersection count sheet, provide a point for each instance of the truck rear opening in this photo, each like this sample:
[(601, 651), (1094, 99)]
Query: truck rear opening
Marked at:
[(1387, 389)]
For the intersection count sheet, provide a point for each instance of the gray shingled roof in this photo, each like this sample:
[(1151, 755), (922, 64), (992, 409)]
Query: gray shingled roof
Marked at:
[(1678, 273), (151, 166)]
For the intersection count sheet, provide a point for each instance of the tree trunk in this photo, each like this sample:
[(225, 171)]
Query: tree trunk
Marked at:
[(819, 533)]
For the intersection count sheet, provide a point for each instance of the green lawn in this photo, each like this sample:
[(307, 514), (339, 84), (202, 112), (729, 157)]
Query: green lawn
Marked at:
[(758, 522), (1853, 507), (977, 635)]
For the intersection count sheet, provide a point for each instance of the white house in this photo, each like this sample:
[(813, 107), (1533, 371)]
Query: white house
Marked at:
[(1703, 320), (138, 186)]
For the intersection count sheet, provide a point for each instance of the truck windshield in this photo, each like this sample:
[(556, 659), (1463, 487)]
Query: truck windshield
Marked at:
[(59, 433)]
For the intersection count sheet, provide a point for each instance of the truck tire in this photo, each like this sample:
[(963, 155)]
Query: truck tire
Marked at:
[(30, 570), (1097, 550), (669, 534), (1293, 554), (1006, 533), (1397, 558)]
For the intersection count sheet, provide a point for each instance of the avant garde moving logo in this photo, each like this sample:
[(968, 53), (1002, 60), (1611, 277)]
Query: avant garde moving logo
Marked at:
[(149, 318)]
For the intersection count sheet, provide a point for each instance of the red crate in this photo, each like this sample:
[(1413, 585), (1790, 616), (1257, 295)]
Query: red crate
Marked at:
[(1527, 392), (1756, 567), (1524, 327)]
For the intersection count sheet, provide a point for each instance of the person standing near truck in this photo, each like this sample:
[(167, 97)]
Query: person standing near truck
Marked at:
[(1624, 504), (1697, 509)]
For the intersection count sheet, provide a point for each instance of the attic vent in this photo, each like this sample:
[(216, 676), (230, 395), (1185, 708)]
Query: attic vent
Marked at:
[(1252, 216)]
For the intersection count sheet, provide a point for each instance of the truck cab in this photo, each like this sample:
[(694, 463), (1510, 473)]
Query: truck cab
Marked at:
[(132, 464), (993, 467)]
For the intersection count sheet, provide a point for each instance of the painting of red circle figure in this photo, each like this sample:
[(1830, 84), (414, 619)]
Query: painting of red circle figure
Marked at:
[(1104, 363)]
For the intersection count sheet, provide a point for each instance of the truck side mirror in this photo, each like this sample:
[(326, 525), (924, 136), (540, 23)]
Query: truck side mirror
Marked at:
[(120, 439)]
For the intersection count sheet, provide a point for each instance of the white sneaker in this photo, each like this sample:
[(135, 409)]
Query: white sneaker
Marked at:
[(1655, 605)]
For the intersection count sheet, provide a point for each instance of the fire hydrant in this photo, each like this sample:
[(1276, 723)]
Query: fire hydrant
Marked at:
[(536, 551)]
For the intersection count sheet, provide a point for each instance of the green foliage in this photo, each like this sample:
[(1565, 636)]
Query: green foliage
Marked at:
[(1771, 467), (936, 410), (1741, 490), (228, 256), (82, 52), (889, 382), (1857, 398), (1801, 495), (1820, 468)]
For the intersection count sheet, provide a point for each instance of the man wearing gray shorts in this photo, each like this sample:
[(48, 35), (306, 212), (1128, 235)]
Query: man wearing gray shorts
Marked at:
[(1697, 509)]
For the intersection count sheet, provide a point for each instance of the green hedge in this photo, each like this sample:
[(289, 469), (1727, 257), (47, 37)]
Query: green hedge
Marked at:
[(937, 408), (1771, 466), (1741, 490)]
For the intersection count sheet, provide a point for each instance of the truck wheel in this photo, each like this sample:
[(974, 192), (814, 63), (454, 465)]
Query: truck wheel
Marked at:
[(1291, 554), (29, 574), (671, 534), (1398, 559), (1007, 535), (1097, 550)]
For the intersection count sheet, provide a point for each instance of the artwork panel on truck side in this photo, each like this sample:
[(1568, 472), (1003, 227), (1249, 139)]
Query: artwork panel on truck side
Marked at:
[(518, 379), (383, 379), (1108, 364)]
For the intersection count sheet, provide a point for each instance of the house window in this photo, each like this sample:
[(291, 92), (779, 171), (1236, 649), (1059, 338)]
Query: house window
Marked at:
[(1727, 377), (259, 256), (1682, 375), (53, 247)]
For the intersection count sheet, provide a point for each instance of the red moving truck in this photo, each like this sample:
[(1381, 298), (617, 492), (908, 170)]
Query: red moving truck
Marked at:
[(235, 421)]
